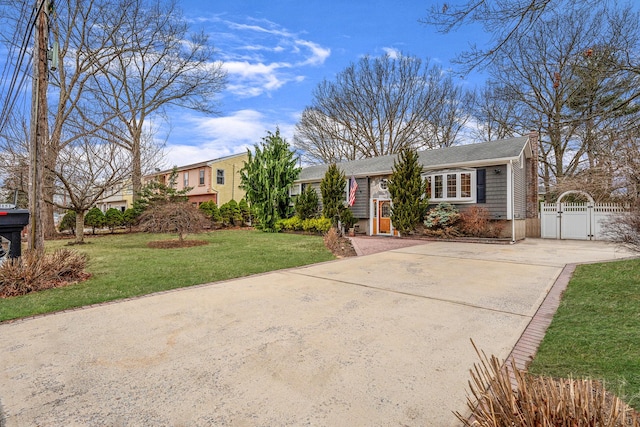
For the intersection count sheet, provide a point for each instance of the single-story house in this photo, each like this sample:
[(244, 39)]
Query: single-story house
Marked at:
[(500, 176)]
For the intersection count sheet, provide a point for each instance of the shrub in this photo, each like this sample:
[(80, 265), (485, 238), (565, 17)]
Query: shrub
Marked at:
[(68, 222), (211, 211), (507, 396), (94, 219), (245, 211), (236, 213), (130, 217), (475, 222), (347, 218), (35, 271), (172, 217), (332, 239), (317, 225), (441, 221), (230, 213), (307, 204), (311, 225), (113, 218), (291, 224), (624, 229)]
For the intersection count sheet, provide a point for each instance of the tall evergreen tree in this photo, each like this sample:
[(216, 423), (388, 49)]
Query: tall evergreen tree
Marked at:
[(407, 192), (266, 178), (307, 204), (332, 188)]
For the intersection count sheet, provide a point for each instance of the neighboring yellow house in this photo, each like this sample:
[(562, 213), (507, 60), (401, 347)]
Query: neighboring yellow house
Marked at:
[(217, 179), (119, 196)]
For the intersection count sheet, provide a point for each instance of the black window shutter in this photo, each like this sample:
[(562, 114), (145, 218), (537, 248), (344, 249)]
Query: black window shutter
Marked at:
[(481, 186)]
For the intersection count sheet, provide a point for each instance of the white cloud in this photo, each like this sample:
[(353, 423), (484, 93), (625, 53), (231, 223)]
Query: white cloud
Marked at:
[(392, 52), (261, 57), (318, 53), (222, 136)]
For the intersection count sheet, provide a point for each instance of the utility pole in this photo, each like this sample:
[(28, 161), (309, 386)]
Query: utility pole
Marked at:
[(39, 126)]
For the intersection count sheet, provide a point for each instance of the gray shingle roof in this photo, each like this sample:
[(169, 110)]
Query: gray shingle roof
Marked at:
[(456, 156)]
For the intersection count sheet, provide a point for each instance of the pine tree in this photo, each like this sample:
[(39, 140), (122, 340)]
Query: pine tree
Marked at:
[(332, 188), (407, 192)]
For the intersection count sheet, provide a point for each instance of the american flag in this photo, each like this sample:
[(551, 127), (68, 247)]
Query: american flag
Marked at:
[(353, 186)]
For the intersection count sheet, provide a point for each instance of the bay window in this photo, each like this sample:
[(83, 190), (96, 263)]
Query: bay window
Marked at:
[(451, 186)]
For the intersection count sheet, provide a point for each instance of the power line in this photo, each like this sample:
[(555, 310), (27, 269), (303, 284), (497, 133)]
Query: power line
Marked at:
[(15, 87)]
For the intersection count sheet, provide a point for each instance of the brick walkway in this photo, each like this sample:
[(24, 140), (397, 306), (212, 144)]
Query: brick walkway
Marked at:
[(367, 245)]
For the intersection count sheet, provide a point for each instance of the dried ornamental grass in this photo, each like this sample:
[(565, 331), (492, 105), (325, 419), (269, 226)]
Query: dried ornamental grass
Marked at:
[(503, 395), (35, 271)]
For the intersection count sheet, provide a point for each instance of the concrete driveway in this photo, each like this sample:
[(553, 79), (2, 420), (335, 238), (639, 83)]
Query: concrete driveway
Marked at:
[(377, 340)]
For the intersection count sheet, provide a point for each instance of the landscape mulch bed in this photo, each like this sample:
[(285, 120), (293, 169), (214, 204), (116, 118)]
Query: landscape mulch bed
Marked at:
[(173, 244)]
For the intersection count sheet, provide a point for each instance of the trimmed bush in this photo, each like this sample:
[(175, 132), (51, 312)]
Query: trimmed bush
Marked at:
[(113, 218), (130, 217), (245, 211), (68, 222), (211, 211), (310, 225), (94, 219), (230, 213)]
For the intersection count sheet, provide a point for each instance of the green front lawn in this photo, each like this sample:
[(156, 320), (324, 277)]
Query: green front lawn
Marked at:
[(596, 330), (123, 266)]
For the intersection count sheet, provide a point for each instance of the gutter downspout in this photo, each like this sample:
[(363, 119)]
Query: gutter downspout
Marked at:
[(513, 204)]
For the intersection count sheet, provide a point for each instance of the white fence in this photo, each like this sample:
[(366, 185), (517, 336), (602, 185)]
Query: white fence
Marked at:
[(579, 221)]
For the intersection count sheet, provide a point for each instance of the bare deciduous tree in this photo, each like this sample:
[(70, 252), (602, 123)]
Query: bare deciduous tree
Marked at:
[(495, 115), (507, 21), (156, 65), (568, 84), (84, 171), (379, 106)]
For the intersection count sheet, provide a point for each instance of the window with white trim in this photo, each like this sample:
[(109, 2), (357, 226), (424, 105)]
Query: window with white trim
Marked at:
[(185, 179), (220, 176), (451, 186)]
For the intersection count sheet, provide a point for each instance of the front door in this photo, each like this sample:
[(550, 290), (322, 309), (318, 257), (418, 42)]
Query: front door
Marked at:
[(384, 217)]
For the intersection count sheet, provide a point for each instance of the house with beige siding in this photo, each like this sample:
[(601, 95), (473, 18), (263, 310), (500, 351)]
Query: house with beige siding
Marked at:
[(118, 196), (217, 179), (500, 176)]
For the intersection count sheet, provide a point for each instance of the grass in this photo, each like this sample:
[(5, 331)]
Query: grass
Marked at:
[(123, 266), (596, 330)]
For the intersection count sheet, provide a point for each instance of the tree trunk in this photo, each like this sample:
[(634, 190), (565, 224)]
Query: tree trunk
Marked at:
[(80, 227), (136, 168)]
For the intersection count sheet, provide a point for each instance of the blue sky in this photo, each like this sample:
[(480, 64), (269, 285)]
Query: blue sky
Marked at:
[(276, 53)]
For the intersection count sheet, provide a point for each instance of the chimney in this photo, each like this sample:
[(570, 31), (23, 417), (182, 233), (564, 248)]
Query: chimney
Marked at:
[(532, 176)]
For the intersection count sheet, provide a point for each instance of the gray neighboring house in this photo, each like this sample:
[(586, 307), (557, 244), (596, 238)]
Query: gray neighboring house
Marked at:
[(500, 176)]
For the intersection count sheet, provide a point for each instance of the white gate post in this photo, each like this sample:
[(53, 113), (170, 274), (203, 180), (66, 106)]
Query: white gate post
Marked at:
[(590, 219), (559, 220)]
